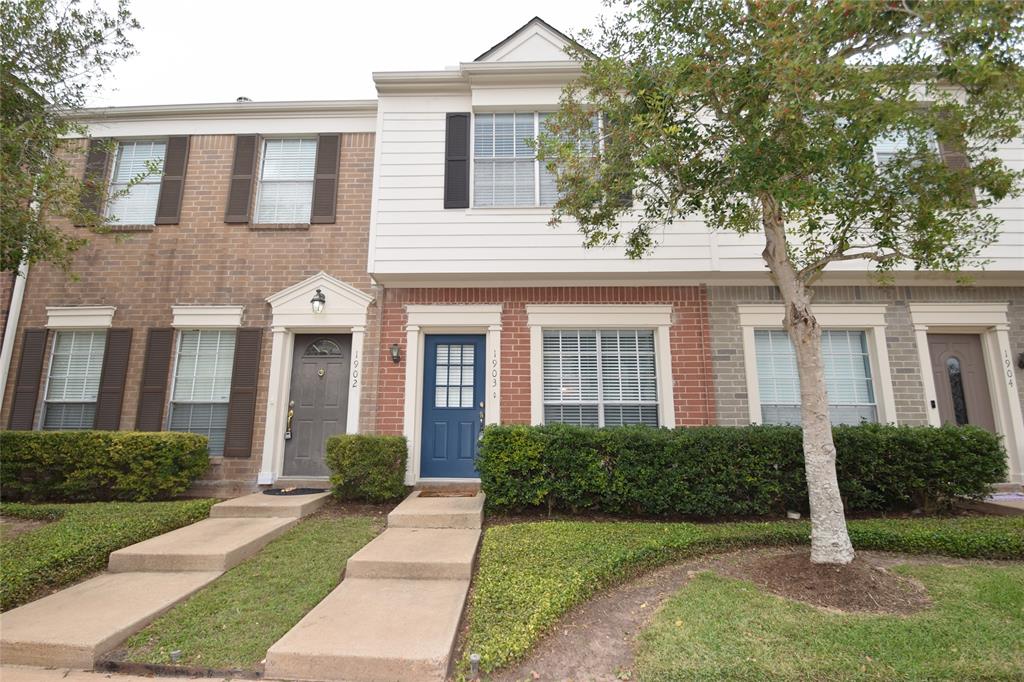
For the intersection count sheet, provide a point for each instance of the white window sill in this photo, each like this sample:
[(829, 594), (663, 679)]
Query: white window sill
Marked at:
[(502, 210)]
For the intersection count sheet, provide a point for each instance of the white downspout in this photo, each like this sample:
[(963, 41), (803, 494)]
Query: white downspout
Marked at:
[(11, 328)]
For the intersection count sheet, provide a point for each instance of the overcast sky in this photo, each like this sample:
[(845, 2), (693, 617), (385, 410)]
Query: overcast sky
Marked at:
[(217, 50)]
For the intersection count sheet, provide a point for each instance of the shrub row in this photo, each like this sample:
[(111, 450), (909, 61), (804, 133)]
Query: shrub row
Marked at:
[(734, 471), (88, 466), (79, 540), (367, 468)]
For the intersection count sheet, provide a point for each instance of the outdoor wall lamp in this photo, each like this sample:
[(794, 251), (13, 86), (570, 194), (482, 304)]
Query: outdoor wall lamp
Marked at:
[(396, 353), (318, 302)]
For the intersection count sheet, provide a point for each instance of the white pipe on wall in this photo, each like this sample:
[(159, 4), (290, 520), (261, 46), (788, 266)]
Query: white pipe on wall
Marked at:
[(11, 328)]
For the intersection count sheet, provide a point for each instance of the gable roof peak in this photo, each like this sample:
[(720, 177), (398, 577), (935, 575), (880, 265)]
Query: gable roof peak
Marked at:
[(536, 40)]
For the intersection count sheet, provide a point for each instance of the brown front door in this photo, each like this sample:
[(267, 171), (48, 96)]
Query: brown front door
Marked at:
[(319, 400), (961, 385)]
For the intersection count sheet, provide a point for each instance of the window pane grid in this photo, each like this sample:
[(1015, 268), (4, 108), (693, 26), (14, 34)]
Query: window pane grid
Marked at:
[(202, 384), (600, 377), (73, 382), (286, 181), (454, 375), (848, 377), (138, 206)]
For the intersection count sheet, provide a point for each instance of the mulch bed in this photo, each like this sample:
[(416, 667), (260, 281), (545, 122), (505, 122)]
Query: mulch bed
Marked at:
[(11, 527), (862, 585)]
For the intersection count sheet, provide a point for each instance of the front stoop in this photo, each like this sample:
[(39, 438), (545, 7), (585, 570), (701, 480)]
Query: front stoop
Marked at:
[(259, 505), (396, 614), (209, 545), (77, 625)]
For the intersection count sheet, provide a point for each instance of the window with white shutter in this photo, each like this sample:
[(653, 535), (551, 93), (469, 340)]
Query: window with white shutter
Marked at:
[(202, 384), (74, 380), (600, 377), (851, 393), (285, 193), (136, 205)]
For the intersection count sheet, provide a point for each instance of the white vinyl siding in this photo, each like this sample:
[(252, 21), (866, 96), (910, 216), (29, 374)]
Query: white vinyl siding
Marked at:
[(890, 145), (851, 392), (137, 206), (74, 379), (202, 384), (600, 377), (285, 192)]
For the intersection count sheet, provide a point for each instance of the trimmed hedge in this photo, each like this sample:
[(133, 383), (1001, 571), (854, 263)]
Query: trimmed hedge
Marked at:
[(79, 540), (94, 466), (367, 468), (734, 471)]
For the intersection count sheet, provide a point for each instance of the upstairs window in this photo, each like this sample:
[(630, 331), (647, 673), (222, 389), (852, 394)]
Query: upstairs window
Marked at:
[(851, 393), (74, 380), (202, 384), (285, 193), (137, 205), (888, 146)]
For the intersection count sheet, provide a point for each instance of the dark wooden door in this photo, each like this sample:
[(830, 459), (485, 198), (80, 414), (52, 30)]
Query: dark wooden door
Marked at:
[(961, 384), (319, 400)]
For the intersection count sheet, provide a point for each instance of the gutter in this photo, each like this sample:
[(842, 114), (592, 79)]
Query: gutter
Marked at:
[(11, 328)]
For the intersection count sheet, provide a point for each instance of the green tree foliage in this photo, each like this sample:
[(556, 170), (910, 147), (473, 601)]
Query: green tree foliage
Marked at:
[(54, 53), (762, 116)]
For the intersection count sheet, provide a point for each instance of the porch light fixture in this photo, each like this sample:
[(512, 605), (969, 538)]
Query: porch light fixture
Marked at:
[(396, 353), (318, 302)]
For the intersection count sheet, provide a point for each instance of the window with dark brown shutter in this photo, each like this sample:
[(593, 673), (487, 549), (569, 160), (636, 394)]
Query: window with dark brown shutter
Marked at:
[(456, 161), (243, 173), (172, 187), (26, 386), (325, 181), (115, 369), (242, 406), (94, 180), (953, 148), (155, 368)]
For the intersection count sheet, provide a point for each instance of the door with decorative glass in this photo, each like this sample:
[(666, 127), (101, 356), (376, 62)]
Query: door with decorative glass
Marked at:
[(453, 405), (318, 406), (961, 384)]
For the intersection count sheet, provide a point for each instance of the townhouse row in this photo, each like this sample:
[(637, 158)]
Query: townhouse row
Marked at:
[(301, 269)]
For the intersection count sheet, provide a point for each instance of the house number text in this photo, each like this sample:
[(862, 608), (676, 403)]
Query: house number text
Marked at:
[(494, 375), (355, 369)]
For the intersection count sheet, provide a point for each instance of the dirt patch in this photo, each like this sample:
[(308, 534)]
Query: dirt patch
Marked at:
[(864, 585), (335, 509), (11, 527), (595, 641)]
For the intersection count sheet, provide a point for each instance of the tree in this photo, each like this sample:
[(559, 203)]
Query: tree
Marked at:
[(54, 53), (761, 116)]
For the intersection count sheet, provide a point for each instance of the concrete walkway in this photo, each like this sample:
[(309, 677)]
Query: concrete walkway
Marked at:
[(78, 625), (396, 614)]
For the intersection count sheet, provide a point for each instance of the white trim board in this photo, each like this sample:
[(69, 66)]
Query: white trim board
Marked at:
[(206, 316), (80, 317)]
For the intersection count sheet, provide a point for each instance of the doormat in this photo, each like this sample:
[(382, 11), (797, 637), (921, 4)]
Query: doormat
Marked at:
[(446, 493), (293, 491)]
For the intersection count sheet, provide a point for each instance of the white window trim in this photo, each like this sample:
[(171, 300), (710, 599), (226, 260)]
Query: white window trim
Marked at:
[(261, 152), (614, 316), (207, 316), (112, 172), (80, 317), (49, 366), (867, 318), (991, 322), (451, 319), (175, 359)]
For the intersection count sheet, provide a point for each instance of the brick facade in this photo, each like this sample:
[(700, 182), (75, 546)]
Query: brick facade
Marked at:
[(689, 342), (203, 261), (727, 342)]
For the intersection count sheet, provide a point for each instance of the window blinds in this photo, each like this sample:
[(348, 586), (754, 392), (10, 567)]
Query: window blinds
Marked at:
[(286, 181), (138, 205), (74, 380)]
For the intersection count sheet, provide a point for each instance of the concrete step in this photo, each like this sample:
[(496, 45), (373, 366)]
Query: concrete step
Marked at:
[(75, 626), (417, 554), (438, 512), (448, 487), (259, 505), (323, 482), (373, 630), (209, 545)]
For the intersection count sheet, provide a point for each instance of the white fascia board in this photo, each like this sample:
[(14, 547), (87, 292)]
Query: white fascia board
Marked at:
[(599, 315), (206, 316), (80, 317)]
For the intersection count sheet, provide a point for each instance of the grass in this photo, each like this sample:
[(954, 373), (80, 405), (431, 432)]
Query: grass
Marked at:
[(79, 540), (530, 574), (232, 622), (718, 628)]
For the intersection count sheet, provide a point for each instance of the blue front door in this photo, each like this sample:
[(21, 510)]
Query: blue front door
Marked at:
[(453, 394)]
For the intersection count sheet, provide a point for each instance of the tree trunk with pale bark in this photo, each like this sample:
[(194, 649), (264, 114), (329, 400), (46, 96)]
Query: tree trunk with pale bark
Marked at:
[(830, 541)]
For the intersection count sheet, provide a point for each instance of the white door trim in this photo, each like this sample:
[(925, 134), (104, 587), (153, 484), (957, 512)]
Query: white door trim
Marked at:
[(990, 321), (344, 313), (446, 319)]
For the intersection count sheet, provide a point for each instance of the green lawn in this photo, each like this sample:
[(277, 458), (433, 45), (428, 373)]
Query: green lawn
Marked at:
[(530, 574), (79, 540), (232, 622), (724, 629)]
